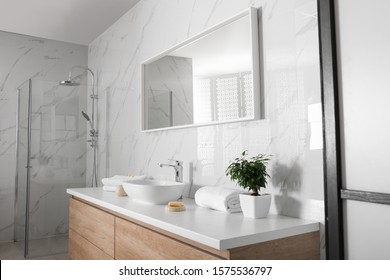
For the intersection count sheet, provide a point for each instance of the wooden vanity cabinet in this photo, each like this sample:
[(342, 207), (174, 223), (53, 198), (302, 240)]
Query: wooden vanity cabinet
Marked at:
[(98, 233), (91, 232)]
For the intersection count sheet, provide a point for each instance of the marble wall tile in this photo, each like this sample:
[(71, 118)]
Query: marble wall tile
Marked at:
[(291, 82), (24, 57)]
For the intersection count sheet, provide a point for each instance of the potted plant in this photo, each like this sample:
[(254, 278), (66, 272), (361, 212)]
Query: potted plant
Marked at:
[(251, 174)]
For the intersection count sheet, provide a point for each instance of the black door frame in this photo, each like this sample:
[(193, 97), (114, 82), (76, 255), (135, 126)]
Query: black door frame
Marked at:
[(331, 131)]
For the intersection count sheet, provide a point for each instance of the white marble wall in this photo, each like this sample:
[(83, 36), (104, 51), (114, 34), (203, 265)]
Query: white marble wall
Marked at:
[(291, 82), (23, 57)]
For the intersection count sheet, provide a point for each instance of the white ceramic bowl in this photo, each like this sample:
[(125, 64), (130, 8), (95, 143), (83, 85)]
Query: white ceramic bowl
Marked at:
[(153, 191)]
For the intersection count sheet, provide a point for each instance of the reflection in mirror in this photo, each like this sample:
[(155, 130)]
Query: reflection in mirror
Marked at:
[(211, 78)]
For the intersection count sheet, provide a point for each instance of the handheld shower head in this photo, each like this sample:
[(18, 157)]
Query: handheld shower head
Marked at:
[(85, 115)]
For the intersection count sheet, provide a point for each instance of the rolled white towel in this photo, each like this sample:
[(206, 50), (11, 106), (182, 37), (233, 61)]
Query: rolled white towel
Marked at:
[(219, 198), (110, 188), (117, 189), (117, 180)]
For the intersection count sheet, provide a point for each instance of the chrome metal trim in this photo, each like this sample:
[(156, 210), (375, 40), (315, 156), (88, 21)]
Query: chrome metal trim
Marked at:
[(27, 220), (170, 100), (17, 163)]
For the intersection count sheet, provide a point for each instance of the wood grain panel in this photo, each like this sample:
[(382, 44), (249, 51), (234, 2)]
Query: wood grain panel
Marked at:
[(81, 249), (93, 224), (299, 247), (133, 242)]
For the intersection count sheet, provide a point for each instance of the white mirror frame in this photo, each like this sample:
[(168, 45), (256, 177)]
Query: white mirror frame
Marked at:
[(256, 87)]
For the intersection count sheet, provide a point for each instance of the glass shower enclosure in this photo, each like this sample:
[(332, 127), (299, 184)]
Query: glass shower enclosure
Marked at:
[(51, 157)]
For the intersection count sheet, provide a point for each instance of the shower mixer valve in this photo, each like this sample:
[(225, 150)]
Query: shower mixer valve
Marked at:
[(94, 135)]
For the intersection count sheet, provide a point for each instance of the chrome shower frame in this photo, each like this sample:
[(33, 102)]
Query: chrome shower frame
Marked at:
[(28, 170), (93, 132)]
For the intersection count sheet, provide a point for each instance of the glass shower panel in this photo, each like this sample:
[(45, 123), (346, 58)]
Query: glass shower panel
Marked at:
[(21, 162), (58, 162)]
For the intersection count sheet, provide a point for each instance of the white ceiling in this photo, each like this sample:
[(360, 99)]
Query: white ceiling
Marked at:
[(74, 21)]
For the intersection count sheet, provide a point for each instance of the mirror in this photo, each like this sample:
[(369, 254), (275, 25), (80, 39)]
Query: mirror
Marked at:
[(210, 78)]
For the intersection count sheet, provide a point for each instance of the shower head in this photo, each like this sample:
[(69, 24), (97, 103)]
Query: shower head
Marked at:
[(69, 83)]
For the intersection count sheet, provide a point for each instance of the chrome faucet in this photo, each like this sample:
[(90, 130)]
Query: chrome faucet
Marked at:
[(178, 166)]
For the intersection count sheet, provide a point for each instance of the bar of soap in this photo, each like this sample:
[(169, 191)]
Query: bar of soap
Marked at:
[(175, 204), (175, 208)]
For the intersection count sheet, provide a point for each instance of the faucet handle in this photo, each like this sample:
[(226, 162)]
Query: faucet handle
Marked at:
[(177, 162)]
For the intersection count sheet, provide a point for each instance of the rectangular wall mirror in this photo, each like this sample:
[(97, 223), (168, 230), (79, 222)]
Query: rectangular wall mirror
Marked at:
[(210, 78)]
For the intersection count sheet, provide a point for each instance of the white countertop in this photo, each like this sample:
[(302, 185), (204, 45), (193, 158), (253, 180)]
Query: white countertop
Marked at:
[(216, 229)]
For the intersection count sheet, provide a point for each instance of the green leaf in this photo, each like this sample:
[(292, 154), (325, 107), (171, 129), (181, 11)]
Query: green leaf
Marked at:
[(249, 174)]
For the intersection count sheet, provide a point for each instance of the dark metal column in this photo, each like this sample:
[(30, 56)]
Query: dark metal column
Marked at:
[(331, 131)]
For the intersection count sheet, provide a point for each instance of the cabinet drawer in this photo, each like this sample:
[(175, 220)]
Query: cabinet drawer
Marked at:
[(81, 249), (93, 224), (304, 246), (134, 242)]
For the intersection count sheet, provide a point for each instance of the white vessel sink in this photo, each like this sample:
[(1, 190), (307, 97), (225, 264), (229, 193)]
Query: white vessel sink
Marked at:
[(153, 191)]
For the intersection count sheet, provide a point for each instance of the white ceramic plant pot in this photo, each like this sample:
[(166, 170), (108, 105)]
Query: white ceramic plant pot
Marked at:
[(255, 207)]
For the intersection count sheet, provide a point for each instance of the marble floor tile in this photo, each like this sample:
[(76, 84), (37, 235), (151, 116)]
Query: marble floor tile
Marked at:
[(52, 248), (11, 251)]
